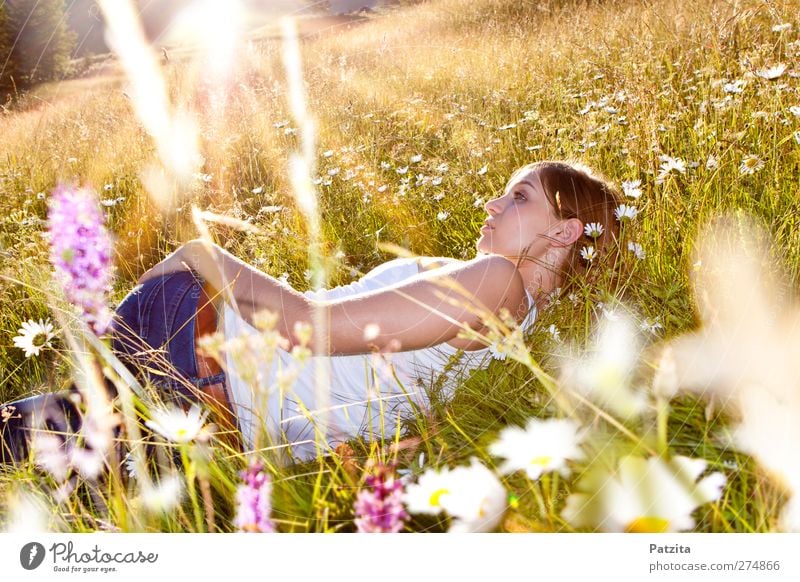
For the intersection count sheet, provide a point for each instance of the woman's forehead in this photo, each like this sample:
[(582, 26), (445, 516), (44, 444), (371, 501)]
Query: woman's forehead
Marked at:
[(530, 178)]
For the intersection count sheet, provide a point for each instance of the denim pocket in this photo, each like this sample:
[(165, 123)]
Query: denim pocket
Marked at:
[(160, 315)]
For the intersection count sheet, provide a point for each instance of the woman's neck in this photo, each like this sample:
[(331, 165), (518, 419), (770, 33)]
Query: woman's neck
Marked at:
[(539, 281)]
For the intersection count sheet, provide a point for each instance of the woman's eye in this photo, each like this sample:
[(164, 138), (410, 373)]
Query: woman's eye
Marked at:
[(518, 196)]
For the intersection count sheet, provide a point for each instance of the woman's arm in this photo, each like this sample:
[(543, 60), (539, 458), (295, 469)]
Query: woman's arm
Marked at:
[(423, 311), (428, 309), (236, 282)]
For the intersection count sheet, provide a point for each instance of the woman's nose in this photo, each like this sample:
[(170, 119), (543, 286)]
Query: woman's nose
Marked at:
[(492, 206)]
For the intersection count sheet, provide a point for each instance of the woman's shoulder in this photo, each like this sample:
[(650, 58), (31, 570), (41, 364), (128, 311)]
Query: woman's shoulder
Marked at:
[(414, 264), (428, 263)]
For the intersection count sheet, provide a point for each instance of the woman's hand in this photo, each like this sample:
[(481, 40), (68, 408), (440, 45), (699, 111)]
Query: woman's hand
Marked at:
[(179, 260)]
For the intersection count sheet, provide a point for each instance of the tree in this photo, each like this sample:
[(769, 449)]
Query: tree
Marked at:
[(35, 40), (5, 44)]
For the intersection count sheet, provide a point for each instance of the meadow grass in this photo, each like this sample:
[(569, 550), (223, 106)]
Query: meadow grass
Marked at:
[(478, 88)]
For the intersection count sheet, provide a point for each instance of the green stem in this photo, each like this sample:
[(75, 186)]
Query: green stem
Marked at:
[(662, 416), (189, 467)]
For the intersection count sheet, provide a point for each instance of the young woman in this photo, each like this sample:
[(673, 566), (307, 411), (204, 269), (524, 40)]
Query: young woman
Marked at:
[(411, 310)]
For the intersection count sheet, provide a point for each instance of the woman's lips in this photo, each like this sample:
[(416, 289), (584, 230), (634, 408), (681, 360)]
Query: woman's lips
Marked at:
[(486, 228)]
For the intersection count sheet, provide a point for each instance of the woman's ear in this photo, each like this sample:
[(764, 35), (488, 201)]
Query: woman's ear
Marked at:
[(569, 231)]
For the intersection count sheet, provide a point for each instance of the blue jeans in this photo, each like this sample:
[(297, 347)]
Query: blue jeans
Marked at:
[(152, 333)]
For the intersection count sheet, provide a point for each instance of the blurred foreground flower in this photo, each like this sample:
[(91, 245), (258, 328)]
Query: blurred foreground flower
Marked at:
[(379, 507), (28, 514), (253, 503), (605, 374), (472, 496), (80, 251), (643, 495), (543, 446), (163, 496), (34, 336), (62, 454), (745, 355), (176, 425)]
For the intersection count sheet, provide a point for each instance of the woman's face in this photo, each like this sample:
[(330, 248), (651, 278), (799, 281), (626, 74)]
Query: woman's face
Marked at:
[(518, 218)]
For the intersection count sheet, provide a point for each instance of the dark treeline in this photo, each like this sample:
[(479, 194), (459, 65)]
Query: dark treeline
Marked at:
[(40, 39), (44, 40), (35, 42)]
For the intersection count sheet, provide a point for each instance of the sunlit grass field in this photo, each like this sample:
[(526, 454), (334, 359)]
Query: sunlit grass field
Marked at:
[(421, 114)]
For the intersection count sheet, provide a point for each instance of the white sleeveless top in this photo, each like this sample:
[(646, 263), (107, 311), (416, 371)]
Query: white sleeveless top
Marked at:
[(369, 393)]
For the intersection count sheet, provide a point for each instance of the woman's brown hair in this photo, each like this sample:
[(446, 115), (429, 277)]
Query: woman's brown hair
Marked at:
[(576, 191)]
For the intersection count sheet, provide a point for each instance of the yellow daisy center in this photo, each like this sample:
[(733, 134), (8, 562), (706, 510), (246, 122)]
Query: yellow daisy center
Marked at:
[(436, 495), (541, 460), (647, 524)]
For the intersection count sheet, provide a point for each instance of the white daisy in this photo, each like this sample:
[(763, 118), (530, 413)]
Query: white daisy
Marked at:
[(650, 327), (34, 335), (796, 136), (624, 211), (429, 492), (477, 500), (483, 170), (553, 331), (772, 73), (403, 170), (783, 27), (712, 163), (670, 166), (176, 425), (415, 159), (472, 496), (443, 215), (543, 446), (734, 87), (130, 465), (795, 110), (588, 253), (327, 153), (636, 249), (643, 495), (497, 350), (593, 229), (750, 165), (632, 188)]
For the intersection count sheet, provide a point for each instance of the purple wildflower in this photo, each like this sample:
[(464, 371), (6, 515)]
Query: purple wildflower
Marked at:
[(80, 250), (379, 507), (253, 501)]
